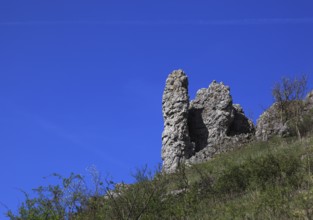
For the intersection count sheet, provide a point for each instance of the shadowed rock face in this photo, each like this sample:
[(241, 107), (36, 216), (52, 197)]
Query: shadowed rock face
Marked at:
[(210, 125), (241, 124)]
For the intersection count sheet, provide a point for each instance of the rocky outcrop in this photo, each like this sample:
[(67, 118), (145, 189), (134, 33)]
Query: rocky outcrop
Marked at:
[(209, 125), (215, 124), (210, 115), (308, 102), (270, 123), (176, 145)]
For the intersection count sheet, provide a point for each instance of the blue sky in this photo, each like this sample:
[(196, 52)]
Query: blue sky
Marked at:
[(81, 82)]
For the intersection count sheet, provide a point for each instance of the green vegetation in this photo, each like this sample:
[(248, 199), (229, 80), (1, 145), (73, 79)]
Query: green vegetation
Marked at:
[(262, 180)]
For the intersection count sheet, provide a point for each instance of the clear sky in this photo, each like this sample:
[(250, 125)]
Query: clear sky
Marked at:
[(81, 82)]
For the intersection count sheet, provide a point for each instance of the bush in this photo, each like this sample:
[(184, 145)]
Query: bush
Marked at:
[(233, 180), (57, 202)]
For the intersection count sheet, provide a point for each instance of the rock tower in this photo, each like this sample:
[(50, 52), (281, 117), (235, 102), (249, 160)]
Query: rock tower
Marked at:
[(195, 131), (175, 138)]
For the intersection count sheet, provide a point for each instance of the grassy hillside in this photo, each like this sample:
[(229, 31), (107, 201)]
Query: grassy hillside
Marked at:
[(261, 180)]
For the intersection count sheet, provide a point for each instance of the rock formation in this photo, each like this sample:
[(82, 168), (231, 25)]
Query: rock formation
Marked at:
[(215, 123), (210, 124), (270, 123), (308, 102), (210, 115), (175, 138)]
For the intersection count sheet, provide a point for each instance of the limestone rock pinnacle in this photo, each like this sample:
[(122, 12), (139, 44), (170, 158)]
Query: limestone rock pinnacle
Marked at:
[(195, 131), (176, 144)]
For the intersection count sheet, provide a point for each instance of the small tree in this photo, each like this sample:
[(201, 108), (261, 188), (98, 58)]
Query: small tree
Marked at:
[(289, 94)]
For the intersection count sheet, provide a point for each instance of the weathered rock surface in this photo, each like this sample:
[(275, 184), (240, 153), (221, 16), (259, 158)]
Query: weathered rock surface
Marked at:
[(176, 145), (308, 101), (270, 123), (210, 115), (215, 124), (210, 125)]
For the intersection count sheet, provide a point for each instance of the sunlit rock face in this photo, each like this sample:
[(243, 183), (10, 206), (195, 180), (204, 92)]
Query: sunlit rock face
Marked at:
[(208, 125), (270, 122), (216, 124), (176, 145)]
